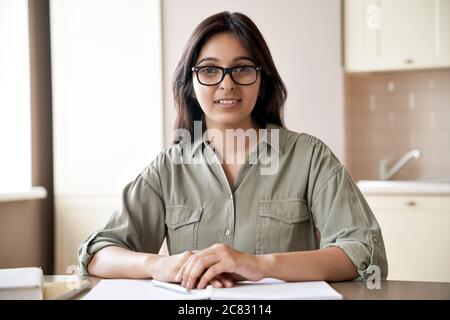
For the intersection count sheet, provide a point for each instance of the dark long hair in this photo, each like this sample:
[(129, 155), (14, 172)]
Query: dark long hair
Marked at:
[(273, 92)]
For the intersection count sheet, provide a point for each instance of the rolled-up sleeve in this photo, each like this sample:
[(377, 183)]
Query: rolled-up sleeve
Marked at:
[(138, 225), (342, 215)]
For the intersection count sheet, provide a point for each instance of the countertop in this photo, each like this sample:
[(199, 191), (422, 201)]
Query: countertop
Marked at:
[(409, 187)]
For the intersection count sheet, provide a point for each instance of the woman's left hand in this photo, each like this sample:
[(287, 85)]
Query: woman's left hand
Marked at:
[(204, 265)]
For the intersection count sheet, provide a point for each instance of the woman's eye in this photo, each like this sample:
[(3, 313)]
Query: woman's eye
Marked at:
[(242, 69), (210, 70)]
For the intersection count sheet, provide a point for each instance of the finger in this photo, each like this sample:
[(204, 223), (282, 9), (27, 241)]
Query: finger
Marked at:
[(198, 254), (216, 283), (183, 266), (179, 276), (226, 280), (186, 269), (199, 266), (211, 273)]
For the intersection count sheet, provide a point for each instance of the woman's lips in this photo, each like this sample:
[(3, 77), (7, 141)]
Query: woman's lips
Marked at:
[(227, 103)]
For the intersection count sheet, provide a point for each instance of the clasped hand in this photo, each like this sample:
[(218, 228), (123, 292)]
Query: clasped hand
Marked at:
[(218, 265)]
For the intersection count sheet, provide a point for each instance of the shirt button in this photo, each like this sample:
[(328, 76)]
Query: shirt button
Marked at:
[(231, 196), (227, 233)]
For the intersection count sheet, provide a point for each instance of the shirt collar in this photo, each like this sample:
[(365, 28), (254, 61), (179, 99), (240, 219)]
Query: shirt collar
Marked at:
[(268, 138), (273, 136)]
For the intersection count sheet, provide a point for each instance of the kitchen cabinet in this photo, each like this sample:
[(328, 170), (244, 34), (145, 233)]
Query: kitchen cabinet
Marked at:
[(383, 35), (416, 235)]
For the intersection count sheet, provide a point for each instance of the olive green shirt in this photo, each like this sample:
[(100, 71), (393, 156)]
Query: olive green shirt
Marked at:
[(309, 202)]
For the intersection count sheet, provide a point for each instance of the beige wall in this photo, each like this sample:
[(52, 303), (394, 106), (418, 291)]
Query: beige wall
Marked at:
[(305, 41)]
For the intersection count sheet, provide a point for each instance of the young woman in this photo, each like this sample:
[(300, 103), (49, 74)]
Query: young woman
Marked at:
[(224, 218)]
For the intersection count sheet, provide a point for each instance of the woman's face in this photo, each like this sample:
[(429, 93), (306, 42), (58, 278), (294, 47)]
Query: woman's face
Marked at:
[(227, 103)]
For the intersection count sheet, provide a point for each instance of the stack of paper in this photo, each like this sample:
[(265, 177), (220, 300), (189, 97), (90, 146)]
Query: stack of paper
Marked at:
[(266, 289), (21, 284)]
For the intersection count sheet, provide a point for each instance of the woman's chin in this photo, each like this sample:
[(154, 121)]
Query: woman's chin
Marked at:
[(230, 120)]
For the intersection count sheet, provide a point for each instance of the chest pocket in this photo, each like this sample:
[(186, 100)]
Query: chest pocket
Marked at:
[(182, 228), (282, 226)]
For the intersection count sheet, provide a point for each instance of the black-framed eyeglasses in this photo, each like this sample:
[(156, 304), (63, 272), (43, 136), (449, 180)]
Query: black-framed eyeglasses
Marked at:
[(212, 75)]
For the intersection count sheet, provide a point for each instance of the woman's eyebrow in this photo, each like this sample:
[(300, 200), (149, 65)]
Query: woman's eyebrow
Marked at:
[(207, 59), (234, 60), (243, 58)]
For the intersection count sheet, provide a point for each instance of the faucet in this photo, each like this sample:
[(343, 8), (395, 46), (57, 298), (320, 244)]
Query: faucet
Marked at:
[(386, 175)]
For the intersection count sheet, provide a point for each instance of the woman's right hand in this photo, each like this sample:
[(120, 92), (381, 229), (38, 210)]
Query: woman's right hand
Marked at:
[(165, 268)]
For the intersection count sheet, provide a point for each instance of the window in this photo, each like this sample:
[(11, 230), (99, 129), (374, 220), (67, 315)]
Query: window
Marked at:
[(15, 111)]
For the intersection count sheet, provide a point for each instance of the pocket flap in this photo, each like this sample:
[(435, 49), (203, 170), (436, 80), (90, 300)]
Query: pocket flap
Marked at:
[(287, 211), (177, 216)]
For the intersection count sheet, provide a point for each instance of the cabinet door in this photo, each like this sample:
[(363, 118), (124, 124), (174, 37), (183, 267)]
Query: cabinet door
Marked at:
[(415, 232), (396, 34), (409, 34), (362, 23), (443, 27)]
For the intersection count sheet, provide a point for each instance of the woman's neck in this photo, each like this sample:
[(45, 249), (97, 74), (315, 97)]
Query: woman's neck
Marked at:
[(233, 142)]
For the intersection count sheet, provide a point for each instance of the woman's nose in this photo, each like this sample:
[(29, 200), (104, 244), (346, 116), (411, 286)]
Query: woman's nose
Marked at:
[(227, 83)]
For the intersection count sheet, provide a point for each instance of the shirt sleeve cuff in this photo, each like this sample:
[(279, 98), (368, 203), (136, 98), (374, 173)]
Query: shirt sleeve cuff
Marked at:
[(87, 250), (361, 256)]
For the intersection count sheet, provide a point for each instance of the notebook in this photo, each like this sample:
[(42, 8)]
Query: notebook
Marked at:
[(21, 284), (266, 289)]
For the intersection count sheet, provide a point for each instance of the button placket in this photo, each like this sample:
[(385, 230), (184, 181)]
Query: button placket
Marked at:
[(230, 220), (222, 176)]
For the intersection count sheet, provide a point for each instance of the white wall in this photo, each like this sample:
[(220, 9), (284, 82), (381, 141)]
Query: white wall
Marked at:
[(305, 40)]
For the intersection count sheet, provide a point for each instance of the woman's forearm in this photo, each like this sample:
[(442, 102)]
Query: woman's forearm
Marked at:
[(330, 264), (118, 262)]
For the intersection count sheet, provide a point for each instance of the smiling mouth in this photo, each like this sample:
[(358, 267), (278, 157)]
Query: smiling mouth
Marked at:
[(227, 103)]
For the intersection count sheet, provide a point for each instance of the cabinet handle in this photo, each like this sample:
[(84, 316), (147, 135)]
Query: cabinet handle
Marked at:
[(410, 203), (409, 61)]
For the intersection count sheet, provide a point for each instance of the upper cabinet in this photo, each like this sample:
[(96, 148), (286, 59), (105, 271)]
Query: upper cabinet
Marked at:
[(385, 35)]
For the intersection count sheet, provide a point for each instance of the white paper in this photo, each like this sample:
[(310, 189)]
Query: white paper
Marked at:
[(266, 289), (273, 289), (121, 289)]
